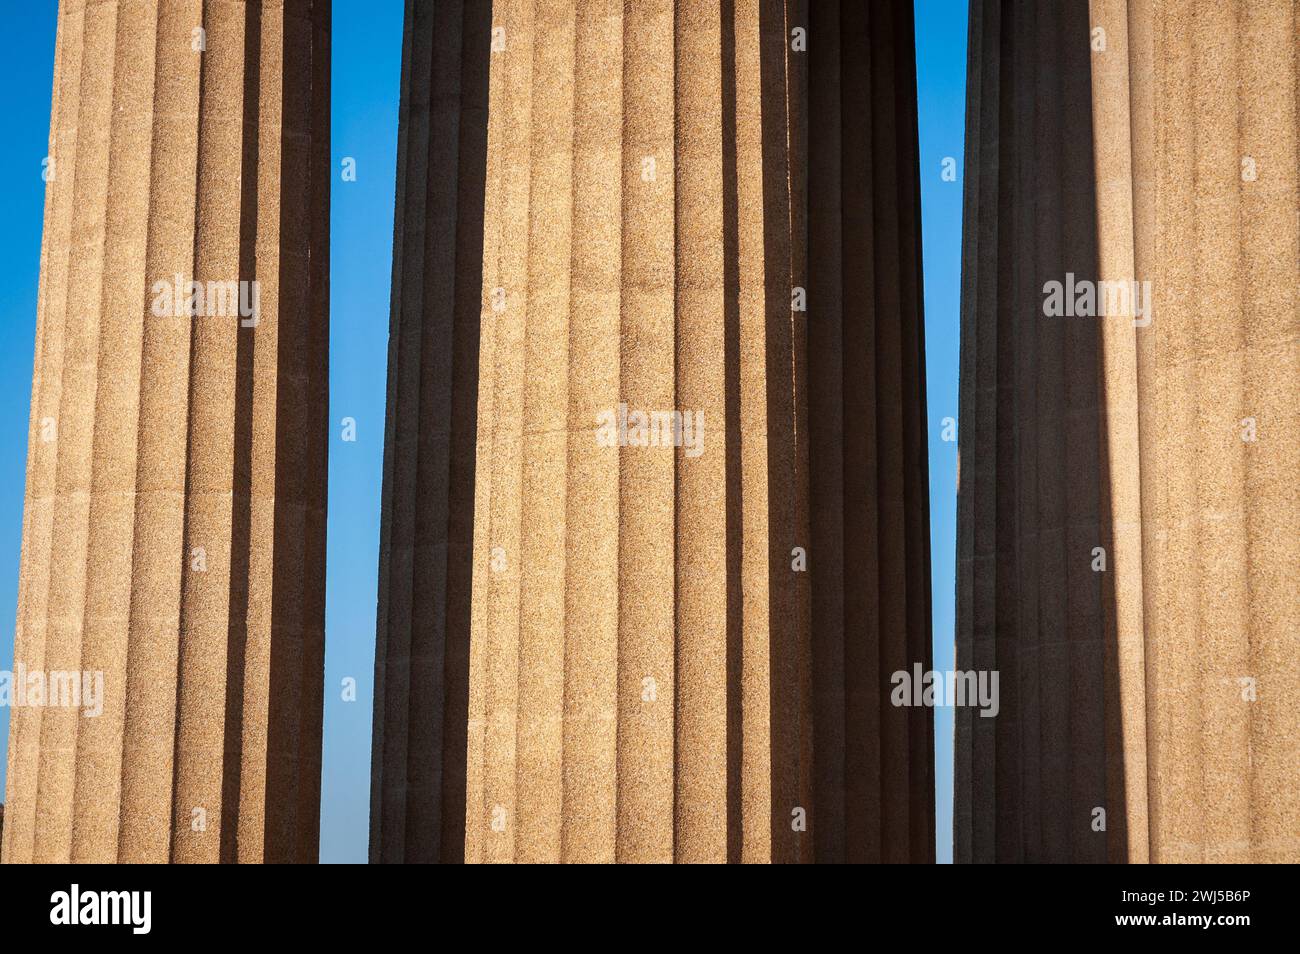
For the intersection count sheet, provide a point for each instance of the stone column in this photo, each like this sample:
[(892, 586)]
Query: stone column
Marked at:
[(174, 527), (1127, 515), (699, 537), (422, 650)]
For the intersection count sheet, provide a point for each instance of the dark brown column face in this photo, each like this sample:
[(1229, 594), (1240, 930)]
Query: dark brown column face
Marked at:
[(1030, 488), (422, 654), (174, 525), (1126, 516), (869, 494), (656, 387)]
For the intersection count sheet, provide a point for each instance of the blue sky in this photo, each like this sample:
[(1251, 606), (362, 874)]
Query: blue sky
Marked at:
[(941, 110), (26, 75), (366, 66)]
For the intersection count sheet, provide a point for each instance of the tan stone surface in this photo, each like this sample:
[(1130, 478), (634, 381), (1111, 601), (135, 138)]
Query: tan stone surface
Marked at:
[(1189, 181), (178, 433), (644, 676)]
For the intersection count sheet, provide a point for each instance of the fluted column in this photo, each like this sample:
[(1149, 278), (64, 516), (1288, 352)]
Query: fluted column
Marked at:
[(1127, 516), (422, 650), (174, 526), (699, 538)]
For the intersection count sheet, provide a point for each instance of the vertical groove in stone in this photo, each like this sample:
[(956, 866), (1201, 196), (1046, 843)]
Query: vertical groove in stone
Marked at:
[(430, 412), (1163, 690), (107, 589), (914, 451), (1171, 665), (315, 417), (1116, 162), (136, 559), (644, 667), (641, 348), (205, 624), (590, 671), (1269, 131), (702, 620), (1020, 716), (475, 50), (826, 464), (1082, 492), (795, 788), (486, 555), (158, 555), (979, 475), (1215, 353), (1001, 570), (112, 516), (540, 788), (889, 450), (859, 667), (507, 213), (746, 281)]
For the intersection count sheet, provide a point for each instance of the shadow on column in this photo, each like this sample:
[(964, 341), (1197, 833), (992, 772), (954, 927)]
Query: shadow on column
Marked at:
[(1033, 482), (872, 781), (422, 655)]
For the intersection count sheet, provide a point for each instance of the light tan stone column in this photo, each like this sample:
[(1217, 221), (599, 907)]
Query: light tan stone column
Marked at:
[(680, 641), (174, 525), (1204, 414), (1180, 588)]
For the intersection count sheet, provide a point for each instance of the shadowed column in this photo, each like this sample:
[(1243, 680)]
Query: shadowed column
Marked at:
[(174, 526), (1127, 515), (700, 535), (422, 653)]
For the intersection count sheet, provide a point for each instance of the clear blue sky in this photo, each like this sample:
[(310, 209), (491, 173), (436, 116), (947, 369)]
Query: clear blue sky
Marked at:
[(26, 76), (367, 54), (941, 109)]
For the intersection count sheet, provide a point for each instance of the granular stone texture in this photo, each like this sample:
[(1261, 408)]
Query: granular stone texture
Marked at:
[(656, 388), (1129, 530), (174, 526)]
